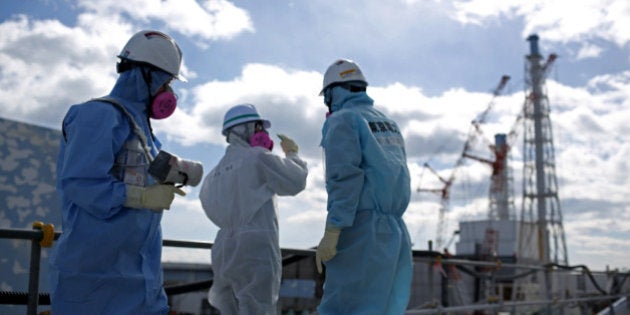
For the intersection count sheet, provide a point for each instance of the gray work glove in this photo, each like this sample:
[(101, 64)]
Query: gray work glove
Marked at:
[(156, 197), (327, 248)]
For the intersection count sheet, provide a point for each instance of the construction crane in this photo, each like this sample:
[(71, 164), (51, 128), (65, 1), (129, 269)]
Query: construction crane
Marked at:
[(447, 182), (501, 203)]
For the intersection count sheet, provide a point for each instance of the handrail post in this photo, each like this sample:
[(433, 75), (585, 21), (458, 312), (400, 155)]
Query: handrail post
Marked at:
[(548, 289), (33, 278), (430, 274), (444, 290)]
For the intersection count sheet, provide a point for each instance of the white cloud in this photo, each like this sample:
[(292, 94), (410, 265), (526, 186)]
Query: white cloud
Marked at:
[(589, 51), (209, 19), (591, 133), (474, 12), (553, 20), (597, 235), (288, 98), (45, 66)]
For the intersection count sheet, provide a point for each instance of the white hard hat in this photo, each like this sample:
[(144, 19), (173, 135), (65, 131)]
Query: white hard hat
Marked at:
[(342, 70), (241, 114), (154, 48)]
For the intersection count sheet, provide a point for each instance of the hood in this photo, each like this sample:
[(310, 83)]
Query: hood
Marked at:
[(240, 134), (132, 89), (342, 98)]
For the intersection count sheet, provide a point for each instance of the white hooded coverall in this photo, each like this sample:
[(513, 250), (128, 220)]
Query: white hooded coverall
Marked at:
[(238, 195)]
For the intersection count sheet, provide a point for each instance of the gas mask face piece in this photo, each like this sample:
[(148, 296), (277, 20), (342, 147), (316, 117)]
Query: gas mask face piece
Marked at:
[(163, 104), (261, 138)]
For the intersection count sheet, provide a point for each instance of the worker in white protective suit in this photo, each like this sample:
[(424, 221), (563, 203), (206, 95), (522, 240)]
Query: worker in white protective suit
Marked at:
[(238, 195), (108, 258), (366, 246)]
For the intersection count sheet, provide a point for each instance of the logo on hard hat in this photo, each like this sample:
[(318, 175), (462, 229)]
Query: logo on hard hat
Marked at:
[(148, 35), (347, 72)]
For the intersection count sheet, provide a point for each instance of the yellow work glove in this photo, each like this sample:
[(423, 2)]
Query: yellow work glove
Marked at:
[(156, 197), (327, 248), (287, 144)]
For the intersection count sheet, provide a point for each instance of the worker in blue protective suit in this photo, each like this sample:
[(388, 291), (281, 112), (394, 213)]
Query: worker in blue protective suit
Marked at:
[(107, 260), (239, 196), (366, 247)]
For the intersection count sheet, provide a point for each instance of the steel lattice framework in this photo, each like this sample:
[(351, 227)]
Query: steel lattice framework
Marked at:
[(540, 203)]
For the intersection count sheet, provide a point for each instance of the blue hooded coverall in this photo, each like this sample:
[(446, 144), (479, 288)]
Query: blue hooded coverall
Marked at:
[(107, 260), (368, 187)]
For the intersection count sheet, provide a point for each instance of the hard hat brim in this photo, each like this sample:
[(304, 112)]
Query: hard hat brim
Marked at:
[(181, 78)]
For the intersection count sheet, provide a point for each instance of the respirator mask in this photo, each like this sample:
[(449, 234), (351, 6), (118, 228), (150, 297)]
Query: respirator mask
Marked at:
[(163, 104), (170, 169), (261, 138)]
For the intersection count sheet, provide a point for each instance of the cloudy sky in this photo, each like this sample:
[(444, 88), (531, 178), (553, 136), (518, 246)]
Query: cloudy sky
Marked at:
[(431, 65)]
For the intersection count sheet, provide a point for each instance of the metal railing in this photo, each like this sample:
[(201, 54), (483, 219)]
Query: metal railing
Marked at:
[(289, 256), (496, 303), (510, 306), (39, 237), (43, 235)]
